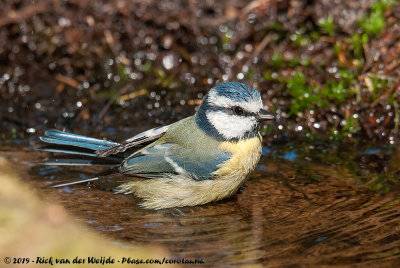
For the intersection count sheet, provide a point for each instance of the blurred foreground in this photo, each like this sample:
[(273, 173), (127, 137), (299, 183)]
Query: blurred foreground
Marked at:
[(30, 228)]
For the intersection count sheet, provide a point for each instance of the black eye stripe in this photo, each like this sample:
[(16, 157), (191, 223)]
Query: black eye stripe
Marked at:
[(230, 110)]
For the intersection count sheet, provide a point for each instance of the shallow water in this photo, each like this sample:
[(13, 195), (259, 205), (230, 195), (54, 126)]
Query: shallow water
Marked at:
[(292, 211)]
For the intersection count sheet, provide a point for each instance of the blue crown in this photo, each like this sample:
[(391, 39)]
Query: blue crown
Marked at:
[(237, 91)]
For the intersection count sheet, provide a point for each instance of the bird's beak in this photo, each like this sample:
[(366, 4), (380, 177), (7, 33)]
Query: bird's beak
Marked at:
[(264, 115)]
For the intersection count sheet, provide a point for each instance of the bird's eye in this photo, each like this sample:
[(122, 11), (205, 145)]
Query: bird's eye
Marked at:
[(238, 111)]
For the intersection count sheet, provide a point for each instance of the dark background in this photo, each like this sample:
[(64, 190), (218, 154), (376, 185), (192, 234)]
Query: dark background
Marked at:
[(329, 69)]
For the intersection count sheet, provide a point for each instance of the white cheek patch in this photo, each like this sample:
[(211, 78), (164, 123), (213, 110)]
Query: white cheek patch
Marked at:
[(253, 106), (231, 126)]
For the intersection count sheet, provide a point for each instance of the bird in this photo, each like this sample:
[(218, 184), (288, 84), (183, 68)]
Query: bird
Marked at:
[(197, 160)]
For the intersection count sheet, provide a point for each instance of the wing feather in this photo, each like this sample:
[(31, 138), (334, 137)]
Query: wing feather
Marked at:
[(166, 159), (140, 139)]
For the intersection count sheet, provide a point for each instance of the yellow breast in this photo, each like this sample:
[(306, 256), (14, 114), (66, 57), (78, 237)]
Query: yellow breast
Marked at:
[(245, 156)]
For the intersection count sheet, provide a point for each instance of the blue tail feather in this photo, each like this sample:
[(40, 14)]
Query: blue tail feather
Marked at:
[(74, 143), (82, 146), (78, 162), (64, 138), (78, 138), (66, 151)]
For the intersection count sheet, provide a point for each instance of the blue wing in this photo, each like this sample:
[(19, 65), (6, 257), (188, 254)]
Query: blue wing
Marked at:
[(169, 158)]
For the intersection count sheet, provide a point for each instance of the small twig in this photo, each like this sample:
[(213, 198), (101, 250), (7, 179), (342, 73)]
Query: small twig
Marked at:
[(256, 4), (182, 51), (259, 49), (396, 116), (67, 80), (24, 14)]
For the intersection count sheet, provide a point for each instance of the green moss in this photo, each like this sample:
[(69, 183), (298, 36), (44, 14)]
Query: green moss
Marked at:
[(305, 62), (123, 71), (226, 39), (356, 44), (327, 25), (337, 91), (275, 26), (13, 133), (315, 35), (373, 24), (249, 75), (164, 80), (301, 92), (350, 127), (379, 184), (305, 96), (108, 94), (277, 59), (375, 21), (294, 61), (146, 67), (369, 26), (267, 76), (267, 129), (378, 85), (300, 38)]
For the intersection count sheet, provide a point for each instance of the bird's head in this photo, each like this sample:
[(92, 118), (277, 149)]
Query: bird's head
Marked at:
[(232, 111)]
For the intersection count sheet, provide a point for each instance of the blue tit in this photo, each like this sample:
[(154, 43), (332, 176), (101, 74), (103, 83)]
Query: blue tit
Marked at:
[(197, 160)]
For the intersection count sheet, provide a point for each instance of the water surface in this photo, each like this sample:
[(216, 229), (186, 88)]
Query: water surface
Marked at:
[(292, 211)]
